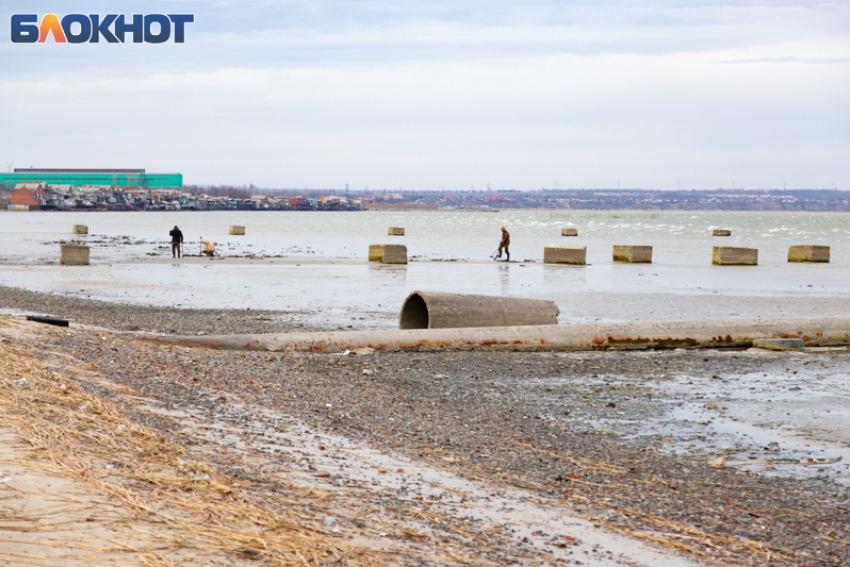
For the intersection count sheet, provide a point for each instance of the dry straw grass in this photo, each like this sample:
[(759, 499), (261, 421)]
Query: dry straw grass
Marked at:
[(189, 506)]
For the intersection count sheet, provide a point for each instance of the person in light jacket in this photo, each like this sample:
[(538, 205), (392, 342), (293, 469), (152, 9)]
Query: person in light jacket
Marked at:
[(209, 249)]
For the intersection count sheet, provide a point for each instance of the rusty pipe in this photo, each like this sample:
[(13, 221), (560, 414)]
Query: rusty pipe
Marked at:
[(709, 333)]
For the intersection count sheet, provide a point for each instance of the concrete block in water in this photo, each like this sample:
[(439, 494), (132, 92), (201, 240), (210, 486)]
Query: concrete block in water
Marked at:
[(237, 230), (808, 253), (436, 310), (74, 255), (730, 256), (722, 232), (780, 344), (565, 254), (395, 254), (396, 231), (634, 254), (81, 229), (388, 253), (569, 232)]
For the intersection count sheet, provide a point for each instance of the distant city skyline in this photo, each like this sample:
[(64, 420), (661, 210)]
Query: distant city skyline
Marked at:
[(446, 95)]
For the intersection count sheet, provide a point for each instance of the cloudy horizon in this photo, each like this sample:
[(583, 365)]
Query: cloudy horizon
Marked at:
[(446, 95)]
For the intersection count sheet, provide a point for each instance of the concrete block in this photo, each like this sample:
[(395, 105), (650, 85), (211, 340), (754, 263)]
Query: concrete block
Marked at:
[(722, 232), (237, 230), (569, 232), (807, 253), (729, 256), (396, 231), (634, 254), (395, 254), (565, 254), (780, 344), (74, 255), (388, 253), (81, 229)]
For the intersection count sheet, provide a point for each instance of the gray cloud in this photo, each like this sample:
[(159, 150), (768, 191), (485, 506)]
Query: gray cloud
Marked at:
[(431, 94)]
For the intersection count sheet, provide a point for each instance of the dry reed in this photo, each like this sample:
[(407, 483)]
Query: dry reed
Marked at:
[(73, 433)]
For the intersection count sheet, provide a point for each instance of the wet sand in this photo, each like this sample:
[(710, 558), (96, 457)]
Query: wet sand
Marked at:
[(369, 296)]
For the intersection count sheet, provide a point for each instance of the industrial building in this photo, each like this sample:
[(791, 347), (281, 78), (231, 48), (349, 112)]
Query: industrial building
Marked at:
[(103, 177)]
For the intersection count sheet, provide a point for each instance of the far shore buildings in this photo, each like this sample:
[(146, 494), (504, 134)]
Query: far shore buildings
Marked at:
[(97, 177), (51, 189), (133, 190)]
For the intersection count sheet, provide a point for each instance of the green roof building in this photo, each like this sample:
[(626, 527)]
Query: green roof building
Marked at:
[(114, 177)]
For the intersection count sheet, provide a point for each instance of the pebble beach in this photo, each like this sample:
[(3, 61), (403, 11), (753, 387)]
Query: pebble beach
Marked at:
[(592, 435)]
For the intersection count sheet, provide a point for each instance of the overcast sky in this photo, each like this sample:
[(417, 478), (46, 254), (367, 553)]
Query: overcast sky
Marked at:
[(445, 94)]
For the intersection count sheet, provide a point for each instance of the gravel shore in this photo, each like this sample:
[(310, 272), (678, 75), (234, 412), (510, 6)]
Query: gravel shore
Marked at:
[(514, 420), (124, 317)]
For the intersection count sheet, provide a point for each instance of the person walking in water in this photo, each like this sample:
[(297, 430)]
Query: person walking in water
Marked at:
[(505, 243), (176, 241)]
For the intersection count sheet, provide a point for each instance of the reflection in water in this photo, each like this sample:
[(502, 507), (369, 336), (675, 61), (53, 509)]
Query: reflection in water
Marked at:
[(505, 279), (565, 275), (390, 273)]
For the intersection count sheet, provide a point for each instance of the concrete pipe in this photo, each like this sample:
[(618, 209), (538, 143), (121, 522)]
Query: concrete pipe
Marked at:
[(435, 310), (636, 335)]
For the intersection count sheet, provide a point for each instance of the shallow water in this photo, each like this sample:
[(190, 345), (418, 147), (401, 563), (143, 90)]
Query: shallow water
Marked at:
[(316, 262), (789, 418), (679, 238)]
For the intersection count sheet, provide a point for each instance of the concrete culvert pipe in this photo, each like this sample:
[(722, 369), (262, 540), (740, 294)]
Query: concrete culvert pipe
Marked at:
[(435, 310)]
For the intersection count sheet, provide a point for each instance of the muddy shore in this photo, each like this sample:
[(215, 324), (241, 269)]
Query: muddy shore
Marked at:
[(591, 431)]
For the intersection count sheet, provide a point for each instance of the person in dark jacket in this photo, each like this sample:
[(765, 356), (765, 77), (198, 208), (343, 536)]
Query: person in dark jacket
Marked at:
[(505, 243), (176, 241)]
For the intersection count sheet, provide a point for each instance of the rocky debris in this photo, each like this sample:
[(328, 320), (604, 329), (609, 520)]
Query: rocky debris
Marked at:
[(528, 421)]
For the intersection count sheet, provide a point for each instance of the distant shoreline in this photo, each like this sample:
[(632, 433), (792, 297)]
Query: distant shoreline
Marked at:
[(656, 211), (438, 210)]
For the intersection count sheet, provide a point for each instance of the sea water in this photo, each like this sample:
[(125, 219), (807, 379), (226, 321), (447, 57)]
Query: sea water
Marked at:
[(316, 262)]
